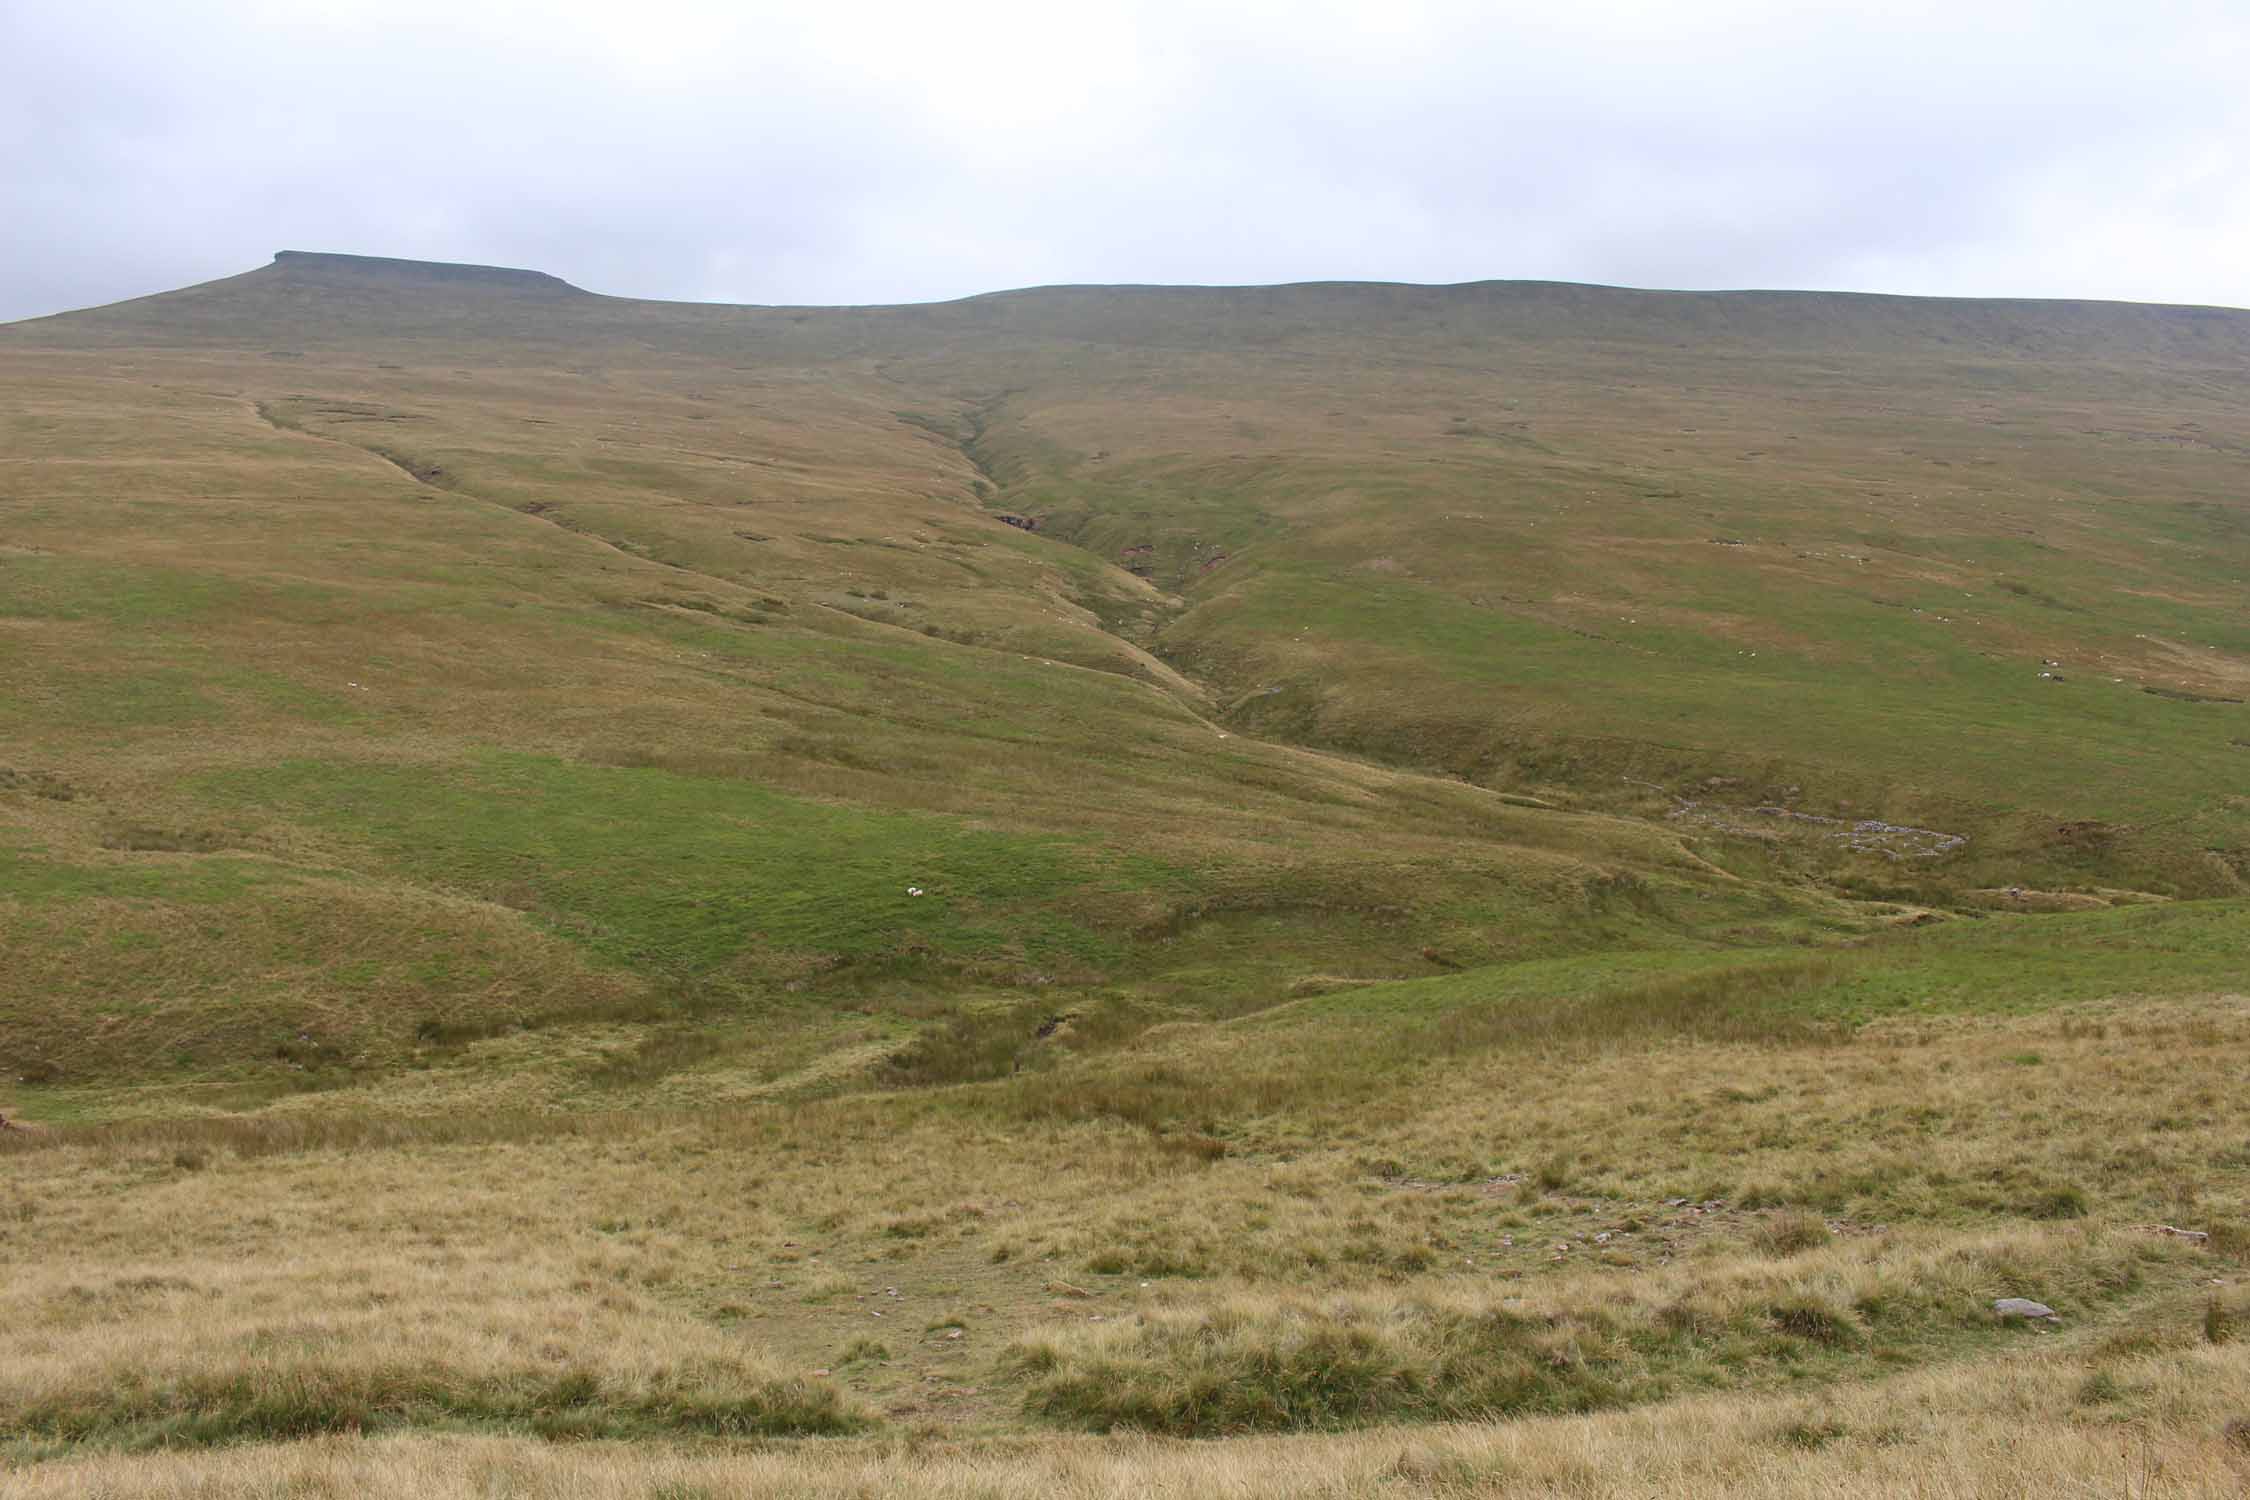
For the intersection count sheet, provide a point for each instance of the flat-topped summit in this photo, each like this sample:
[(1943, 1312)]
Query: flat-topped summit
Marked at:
[(323, 265)]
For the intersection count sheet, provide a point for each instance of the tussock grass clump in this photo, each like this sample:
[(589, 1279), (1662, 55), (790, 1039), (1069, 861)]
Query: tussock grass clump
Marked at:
[(1809, 1434), (2224, 1316), (1288, 1364), (657, 1055), (1814, 1318), (2101, 1388), (971, 1047), (1791, 1234), (1252, 1362), (2229, 1239), (284, 1134), (983, 1043), (1957, 1430), (2059, 1202), (300, 1399), (231, 1354)]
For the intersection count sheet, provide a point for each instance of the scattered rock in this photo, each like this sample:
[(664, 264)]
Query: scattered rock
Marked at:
[(2024, 1307), (1862, 835)]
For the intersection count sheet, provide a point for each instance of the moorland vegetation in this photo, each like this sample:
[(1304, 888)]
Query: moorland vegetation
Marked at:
[(1461, 887)]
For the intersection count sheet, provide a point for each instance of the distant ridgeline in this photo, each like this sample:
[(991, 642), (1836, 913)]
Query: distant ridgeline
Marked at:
[(384, 297)]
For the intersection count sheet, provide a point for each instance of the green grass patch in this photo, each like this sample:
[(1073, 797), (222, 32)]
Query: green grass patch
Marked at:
[(1336, 1053), (675, 872), (32, 875), (2001, 964), (57, 587)]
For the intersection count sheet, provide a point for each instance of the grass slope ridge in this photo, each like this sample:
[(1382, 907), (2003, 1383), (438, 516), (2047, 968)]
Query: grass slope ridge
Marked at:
[(1200, 861)]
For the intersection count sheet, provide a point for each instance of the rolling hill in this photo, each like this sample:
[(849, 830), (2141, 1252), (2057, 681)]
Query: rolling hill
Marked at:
[(1164, 829)]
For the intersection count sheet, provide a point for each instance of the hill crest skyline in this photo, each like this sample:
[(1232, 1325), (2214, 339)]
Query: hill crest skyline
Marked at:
[(410, 270)]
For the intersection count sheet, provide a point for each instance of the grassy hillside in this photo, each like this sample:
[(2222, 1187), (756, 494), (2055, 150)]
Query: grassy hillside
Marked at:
[(1158, 862)]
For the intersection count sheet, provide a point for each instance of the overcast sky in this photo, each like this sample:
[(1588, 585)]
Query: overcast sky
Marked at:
[(845, 151)]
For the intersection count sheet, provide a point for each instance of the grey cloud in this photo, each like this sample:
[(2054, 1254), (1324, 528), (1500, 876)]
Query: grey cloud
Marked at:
[(865, 152)]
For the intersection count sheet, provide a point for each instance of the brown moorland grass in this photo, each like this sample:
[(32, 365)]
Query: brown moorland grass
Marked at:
[(2012, 1426), (198, 1351), (1217, 1365), (903, 883), (1091, 1269)]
